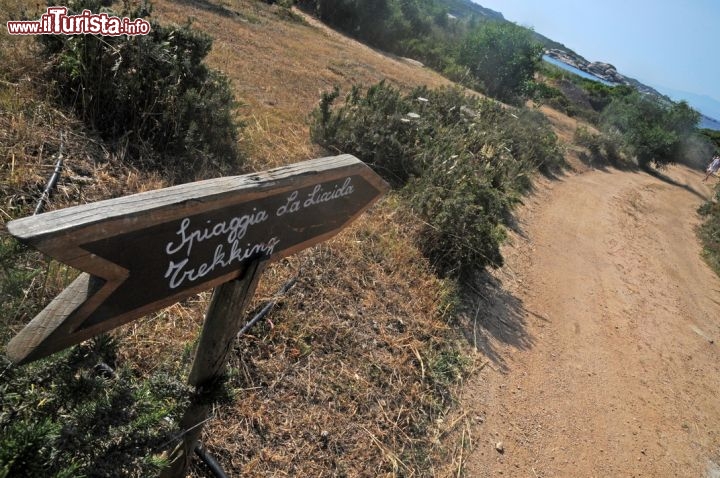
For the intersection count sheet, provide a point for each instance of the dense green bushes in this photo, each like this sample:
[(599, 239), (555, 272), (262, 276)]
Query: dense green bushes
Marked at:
[(462, 212), (461, 161), (374, 127), (652, 132), (649, 129), (71, 415), (713, 136), (385, 24), (152, 95), (503, 57), (84, 411)]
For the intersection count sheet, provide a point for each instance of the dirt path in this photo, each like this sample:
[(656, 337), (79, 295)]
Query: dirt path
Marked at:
[(617, 372)]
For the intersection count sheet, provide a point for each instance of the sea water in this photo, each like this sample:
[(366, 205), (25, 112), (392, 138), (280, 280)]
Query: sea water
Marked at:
[(577, 71)]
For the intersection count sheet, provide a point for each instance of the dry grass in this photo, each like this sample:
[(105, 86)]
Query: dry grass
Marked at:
[(345, 378), (353, 371), (30, 140), (280, 66), (348, 374), (30, 136)]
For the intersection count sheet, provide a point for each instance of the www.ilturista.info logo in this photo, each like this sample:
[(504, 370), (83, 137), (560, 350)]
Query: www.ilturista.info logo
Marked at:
[(57, 22)]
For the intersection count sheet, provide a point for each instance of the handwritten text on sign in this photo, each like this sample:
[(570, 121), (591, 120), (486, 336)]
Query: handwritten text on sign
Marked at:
[(144, 252), (200, 248), (230, 233)]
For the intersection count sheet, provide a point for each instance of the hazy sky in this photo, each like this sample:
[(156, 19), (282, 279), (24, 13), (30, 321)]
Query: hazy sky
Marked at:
[(672, 44)]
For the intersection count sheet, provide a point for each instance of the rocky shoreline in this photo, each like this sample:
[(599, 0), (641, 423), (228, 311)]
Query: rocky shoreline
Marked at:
[(601, 70)]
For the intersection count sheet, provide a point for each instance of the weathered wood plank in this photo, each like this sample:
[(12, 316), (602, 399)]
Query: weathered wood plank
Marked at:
[(152, 249), (222, 323), (191, 198)]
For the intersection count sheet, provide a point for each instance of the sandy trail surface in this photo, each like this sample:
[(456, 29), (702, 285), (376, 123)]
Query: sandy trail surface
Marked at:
[(608, 362)]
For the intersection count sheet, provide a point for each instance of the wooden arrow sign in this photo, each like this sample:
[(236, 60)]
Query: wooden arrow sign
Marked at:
[(143, 252)]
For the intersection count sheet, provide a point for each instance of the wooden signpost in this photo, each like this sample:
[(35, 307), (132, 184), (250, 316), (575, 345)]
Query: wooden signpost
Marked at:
[(143, 252)]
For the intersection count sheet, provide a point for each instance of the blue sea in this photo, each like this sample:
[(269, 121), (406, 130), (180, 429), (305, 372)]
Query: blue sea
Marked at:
[(577, 71), (705, 121), (709, 123)]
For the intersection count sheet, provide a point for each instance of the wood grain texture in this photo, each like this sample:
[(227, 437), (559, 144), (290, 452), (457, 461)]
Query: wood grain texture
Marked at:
[(222, 323), (153, 249), (139, 210)]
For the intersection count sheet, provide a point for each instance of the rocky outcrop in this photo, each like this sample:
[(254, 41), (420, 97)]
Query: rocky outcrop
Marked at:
[(568, 58), (604, 71)]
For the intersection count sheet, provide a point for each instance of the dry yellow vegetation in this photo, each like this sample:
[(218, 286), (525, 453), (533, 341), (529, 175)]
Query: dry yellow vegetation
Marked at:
[(351, 373), (279, 66)]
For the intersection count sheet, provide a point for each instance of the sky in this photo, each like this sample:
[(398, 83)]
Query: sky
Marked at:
[(673, 46)]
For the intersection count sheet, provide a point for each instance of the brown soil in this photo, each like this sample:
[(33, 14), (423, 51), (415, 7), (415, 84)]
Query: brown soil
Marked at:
[(607, 364), (279, 67), (597, 341)]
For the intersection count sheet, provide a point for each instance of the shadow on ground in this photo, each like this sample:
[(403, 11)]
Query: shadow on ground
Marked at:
[(492, 317), (604, 161), (667, 179)]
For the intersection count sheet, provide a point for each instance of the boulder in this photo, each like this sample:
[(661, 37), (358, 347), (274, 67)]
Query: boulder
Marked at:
[(606, 71)]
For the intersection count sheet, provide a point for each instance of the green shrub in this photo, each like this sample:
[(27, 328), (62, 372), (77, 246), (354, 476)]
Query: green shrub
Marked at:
[(373, 126), (529, 137), (586, 138), (65, 416), (462, 161), (652, 132), (461, 75), (461, 214), (604, 148), (710, 231), (503, 56), (152, 94), (712, 136), (540, 92)]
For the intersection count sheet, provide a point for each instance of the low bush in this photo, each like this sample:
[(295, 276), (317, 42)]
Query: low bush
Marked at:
[(710, 231), (461, 161), (151, 94), (541, 92), (462, 214), (604, 148), (652, 131), (73, 415), (374, 126)]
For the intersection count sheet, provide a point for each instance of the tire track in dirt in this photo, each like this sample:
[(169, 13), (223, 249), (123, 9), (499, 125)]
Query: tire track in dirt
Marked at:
[(622, 377)]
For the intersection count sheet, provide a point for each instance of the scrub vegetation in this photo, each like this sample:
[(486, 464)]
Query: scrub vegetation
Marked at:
[(151, 95), (460, 161), (355, 370)]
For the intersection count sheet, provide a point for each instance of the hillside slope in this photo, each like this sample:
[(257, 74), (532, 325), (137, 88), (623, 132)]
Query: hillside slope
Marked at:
[(585, 382), (355, 371), (355, 363), (279, 66)]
